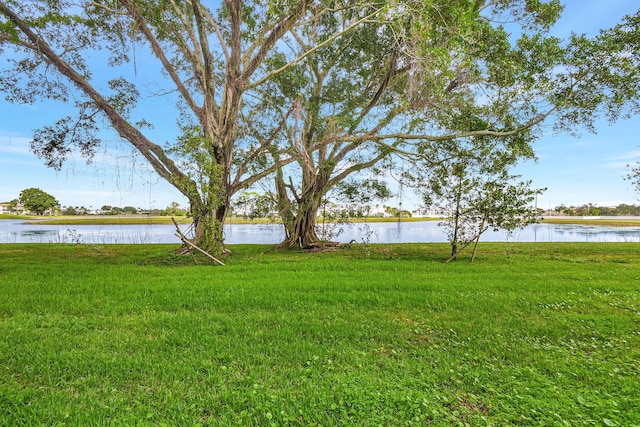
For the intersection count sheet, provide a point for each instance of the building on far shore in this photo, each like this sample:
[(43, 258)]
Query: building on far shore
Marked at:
[(12, 209)]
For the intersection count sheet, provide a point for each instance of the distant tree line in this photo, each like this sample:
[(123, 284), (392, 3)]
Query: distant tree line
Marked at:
[(173, 209), (591, 210), (37, 202)]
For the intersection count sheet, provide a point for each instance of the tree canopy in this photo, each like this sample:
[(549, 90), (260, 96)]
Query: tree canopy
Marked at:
[(37, 201), (306, 94)]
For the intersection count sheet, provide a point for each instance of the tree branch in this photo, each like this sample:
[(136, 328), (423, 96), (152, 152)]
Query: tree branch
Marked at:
[(266, 172), (156, 156), (208, 84), (263, 145), (193, 55), (309, 52), (157, 50), (371, 136), (216, 28), (354, 168), (273, 37)]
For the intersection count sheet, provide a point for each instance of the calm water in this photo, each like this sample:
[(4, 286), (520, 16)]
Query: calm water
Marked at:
[(12, 231)]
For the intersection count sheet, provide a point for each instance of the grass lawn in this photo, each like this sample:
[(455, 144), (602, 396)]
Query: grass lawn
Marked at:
[(546, 334), (7, 216)]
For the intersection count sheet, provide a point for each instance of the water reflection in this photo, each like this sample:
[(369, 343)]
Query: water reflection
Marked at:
[(254, 233), (382, 232)]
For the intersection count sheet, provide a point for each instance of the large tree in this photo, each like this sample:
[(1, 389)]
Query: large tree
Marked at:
[(342, 83), (425, 77), (210, 59), (37, 201)]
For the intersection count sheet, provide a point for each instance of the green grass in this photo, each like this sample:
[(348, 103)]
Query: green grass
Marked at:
[(548, 334), (7, 216)]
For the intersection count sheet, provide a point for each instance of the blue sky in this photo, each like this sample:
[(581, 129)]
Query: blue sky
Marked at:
[(588, 169)]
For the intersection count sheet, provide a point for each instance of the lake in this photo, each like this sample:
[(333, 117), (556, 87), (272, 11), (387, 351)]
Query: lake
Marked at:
[(15, 231)]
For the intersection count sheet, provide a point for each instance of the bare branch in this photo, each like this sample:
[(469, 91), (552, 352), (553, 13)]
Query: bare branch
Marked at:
[(208, 80), (157, 50), (266, 142), (156, 156), (8, 38), (109, 9), (263, 174), (313, 50), (275, 35), (216, 28), (186, 25), (355, 168)]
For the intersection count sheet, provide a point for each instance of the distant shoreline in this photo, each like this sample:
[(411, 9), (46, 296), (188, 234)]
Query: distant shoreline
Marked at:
[(152, 220)]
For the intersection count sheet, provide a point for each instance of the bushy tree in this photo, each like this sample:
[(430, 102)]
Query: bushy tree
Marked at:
[(622, 209), (69, 210), (483, 203), (37, 201), (173, 209), (117, 210), (252, 204), (471, 183), (210, 59)]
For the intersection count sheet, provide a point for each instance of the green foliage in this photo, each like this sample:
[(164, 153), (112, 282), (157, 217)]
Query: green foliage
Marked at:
[(70, 210), (130, 210), (254, 205), (364, 191), (37, 201), (125, 97), (397, 213), (135, 335), (173, 210), (475, 191), (634, 177), (590, 209), (55, 143)]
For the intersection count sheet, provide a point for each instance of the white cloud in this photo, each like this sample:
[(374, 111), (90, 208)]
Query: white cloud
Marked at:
[(581, 143), (631, 156), (616, 165), (14, 144)]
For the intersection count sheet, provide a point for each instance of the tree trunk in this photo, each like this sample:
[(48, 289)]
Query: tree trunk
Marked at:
[(301, 229), (208, 222), (208, 232), (299, 217), (456, 230), (475, 248), (456, 221), (481, 230)]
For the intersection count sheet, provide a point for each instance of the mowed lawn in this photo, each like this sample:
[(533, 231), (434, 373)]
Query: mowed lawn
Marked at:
[(529, 334)]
